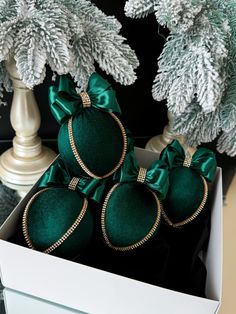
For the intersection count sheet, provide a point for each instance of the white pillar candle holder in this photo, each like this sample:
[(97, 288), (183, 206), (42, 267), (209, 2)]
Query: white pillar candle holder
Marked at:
[(23, 164)]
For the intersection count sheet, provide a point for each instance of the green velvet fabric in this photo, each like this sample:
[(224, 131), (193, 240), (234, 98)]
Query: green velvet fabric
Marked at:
[(51, 214), (98, 140), (130, 214), (185, 194)]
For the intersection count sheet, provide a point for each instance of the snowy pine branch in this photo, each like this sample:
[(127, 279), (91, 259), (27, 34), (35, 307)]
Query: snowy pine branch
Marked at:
[(177, 15), (195, 60), (197, 67), (69, 35), (194, 125), (227, 143), (139, 8)]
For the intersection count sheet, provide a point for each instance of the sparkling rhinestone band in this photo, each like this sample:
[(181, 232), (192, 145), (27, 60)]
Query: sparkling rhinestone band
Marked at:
[(142, 241), (142, 175), (188, 160), (63, 238), (73, 184), (85, 99), (194, 215), (80, 161)]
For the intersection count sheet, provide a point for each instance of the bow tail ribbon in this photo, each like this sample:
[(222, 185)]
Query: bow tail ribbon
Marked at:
[(59, 176), (156, 177), (203, 161), (65, 102)]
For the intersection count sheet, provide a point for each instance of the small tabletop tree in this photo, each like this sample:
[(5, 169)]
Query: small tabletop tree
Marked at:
[(197, 73)]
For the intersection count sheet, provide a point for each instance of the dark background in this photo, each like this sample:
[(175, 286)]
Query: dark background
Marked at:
[(141, 114)]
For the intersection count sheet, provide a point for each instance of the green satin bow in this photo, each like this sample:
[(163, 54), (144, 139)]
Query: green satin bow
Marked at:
[(65, 102), (59, 176), (157, 176), (203, 161)]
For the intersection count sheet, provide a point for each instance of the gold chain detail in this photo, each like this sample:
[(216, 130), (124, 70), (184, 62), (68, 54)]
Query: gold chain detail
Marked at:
[(142, 175), (73, 183), (80, 161), (63, 238), (85, 99), (194, 215), (139, 243)]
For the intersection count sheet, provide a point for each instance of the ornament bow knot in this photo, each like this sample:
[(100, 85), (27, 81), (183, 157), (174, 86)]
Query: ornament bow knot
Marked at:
[(58, 176), (65, 102), (156, 177), (203, 161)]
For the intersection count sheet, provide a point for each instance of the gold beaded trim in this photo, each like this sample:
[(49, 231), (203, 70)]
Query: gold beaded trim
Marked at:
[(194, 215), (63, 238), (142, 175), (85, 99), (80, 161), (188, 160), (73, 184), (139, 243)]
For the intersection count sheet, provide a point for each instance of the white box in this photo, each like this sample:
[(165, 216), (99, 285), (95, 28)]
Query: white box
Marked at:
[(93, 291)]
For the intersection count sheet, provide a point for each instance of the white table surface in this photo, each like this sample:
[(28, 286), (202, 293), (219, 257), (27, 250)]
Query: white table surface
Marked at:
[(17, 303)]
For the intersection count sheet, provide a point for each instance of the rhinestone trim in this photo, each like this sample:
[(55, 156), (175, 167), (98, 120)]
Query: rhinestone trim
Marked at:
[(80, 161), (188, 160), (194, 215), (142, 175), (85, 99), (73, 184), (139, 243), (63, 238)]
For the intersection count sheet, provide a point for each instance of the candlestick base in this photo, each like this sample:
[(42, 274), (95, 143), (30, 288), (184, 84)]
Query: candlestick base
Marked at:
[(20, 173)]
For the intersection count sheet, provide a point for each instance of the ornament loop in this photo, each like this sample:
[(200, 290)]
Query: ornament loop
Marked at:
[(85, 99), (80, 161), (140, 242), (194, 215), (65, 236), (142, 175), (73, 184)]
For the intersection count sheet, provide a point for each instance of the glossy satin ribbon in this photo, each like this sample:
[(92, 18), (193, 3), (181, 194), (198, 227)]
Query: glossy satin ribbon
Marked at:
[(157, 176), (203, 161), (58, 176), (65, 102)]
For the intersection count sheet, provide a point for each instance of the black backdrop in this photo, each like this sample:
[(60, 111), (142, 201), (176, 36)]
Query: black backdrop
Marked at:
[(142, 114)]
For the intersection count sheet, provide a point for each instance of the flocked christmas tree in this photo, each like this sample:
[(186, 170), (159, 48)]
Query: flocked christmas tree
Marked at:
[(197, 68), (69, 35)]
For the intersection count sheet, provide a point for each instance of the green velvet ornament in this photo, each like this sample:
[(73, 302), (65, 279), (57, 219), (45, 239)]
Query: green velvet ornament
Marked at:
[(99, 140), (185, 194), (92, 141), (48, 217), (131, 212), (188, 191), (131, 216)]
